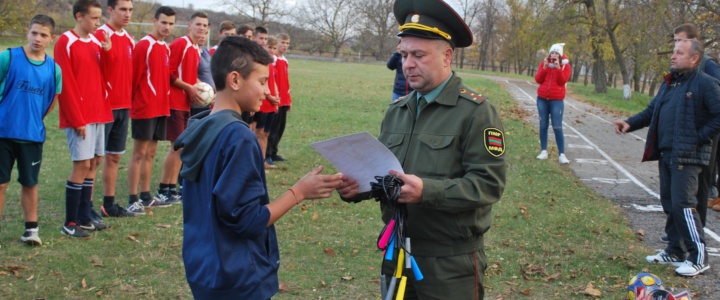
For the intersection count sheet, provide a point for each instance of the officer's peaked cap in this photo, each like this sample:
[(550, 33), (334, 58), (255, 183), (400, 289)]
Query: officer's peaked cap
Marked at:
[(432, 19)]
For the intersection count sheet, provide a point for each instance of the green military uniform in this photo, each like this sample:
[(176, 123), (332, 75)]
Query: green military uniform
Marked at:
[(455, 143)]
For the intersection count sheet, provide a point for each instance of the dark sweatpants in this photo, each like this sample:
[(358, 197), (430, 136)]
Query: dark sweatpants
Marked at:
[(707, 180), (277, 131), (678, 190)]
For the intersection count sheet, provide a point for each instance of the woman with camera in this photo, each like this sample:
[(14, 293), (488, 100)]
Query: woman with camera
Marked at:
[(552, 75)]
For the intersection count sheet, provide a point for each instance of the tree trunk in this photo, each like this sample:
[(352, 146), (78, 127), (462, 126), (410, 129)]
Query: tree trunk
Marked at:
[(653, 85), (599, 76), (576, 71)]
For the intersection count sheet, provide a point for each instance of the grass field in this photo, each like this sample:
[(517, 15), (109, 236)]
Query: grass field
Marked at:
[(552, 237)]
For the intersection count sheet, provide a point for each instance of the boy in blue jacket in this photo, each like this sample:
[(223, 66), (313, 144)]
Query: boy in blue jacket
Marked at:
[(230, 248)]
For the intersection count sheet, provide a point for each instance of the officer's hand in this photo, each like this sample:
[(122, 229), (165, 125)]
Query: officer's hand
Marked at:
[(412, 188), (621, 126), (80, 131), (348, 188)]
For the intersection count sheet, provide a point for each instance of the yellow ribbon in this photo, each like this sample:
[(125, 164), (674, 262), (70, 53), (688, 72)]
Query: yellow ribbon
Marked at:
[(425, 28)]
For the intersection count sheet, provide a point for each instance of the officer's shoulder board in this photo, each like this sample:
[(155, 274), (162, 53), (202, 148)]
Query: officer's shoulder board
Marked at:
[(399, 99), (471, 95)]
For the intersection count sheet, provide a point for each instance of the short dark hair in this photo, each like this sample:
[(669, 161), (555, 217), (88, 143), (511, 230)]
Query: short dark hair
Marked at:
[(164, 10), (696, 48), (112, 3), (236, 54), (199, 14), (43, 20), (689, 29), (260, 29), (245, 28), (226, 25), (83, 6)]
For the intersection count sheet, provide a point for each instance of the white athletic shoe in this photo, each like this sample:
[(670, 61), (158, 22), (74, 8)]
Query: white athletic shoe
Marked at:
[(690, 269), (562, 159), (543, 155), (664, 259)]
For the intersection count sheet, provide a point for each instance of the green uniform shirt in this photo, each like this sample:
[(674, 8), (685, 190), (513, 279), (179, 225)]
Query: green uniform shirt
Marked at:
[(456, 146)]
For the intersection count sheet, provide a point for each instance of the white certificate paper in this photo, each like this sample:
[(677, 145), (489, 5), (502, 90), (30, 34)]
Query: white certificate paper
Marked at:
[(360, 156)]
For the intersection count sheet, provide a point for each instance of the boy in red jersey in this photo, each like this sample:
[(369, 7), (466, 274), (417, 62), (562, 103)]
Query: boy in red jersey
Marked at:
[(226, 28), (264, 118), (184, 62), (151, 105), (30, 82), (116, 65), (282, 80), (84, 110)]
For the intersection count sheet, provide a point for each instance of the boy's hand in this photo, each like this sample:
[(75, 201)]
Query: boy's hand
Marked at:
[(106, 44), (80, 131), (315, 185), (273, 100), (193, 95)]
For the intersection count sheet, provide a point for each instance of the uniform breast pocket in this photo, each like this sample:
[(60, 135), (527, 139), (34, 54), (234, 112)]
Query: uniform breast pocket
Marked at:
[(436, 155)]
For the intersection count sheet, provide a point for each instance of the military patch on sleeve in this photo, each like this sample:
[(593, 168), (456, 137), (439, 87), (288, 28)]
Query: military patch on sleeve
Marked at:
[(494, 141)]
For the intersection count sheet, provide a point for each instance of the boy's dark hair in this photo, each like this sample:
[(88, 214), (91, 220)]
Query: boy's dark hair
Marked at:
[(244, 29), (43, 20), (83, 6), (283, 37), (689, 29), (260, 29), (165, 10), (226, 25), (237, 54), (199, 15), (112, 3)]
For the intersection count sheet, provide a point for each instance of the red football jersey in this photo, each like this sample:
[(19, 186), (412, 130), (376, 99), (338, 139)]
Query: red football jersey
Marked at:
[(282, 78), (116, 66), (212, 50), (151, 79), (266, 106), (184, 62), (83, 99)]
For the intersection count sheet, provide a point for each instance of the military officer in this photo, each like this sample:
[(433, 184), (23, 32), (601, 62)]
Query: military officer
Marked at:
[(451, 144)]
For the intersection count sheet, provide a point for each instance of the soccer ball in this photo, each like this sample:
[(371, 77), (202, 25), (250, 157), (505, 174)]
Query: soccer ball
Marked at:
[(643, 285), (207, 94)]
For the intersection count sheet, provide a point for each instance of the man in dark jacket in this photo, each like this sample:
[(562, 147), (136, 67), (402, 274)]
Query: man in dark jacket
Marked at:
[(682, 120), (401, 86)]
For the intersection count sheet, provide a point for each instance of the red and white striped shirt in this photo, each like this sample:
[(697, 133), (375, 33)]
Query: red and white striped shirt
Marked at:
[(151, 79), (184, 62)]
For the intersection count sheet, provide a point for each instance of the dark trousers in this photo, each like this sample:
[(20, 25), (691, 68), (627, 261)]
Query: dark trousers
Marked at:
[(707, 179), (277, 131), (678, 190), (451, 277)]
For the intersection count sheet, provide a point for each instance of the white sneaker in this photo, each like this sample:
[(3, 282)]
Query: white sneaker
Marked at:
[(690, 269), (31, 237), (562, 159), (663, 258), (542, 155)]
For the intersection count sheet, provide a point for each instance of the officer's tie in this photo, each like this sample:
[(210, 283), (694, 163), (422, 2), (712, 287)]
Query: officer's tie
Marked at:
[(420, 105)]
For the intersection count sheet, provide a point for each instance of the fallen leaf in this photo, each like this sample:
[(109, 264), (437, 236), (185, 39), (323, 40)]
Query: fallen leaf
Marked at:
[(315, 216), (149, 212), (347, 278), (163, 225), (355, 252), (322, 283), (132, 238), (374, 281), (29, 278), (3, 273), (552, 277), (329, 251), (99, 293), (83, 283), (284, 288), (641, 232), (525, 292), (175, 245), (592, 291)]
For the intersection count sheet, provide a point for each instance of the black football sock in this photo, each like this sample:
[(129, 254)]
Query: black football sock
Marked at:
[(72, 201)]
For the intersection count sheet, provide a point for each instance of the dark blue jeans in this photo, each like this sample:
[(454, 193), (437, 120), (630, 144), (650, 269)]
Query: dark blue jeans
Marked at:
[(551, 109), (678, 187)]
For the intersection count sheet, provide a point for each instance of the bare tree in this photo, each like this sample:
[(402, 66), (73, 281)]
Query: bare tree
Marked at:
[(261, 12), (333, 19), (469, 9), (15, 14), (378, 26)]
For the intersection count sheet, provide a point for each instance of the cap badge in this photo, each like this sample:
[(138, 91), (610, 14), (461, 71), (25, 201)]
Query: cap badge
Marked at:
[(415, 18)]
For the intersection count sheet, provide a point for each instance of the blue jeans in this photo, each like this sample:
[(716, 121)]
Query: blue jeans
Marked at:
[(551, 109)]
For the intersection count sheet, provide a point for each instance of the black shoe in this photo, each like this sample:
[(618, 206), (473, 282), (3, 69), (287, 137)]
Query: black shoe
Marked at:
[(95, 226), (95, 217), (116, 211), (72, 230), (664, 239), (277, 158)]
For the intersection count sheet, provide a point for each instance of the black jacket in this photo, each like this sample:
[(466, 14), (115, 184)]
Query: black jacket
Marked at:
[(697, 118)]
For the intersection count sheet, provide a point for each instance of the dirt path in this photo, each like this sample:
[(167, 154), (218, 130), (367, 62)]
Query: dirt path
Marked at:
[(610, 164)]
